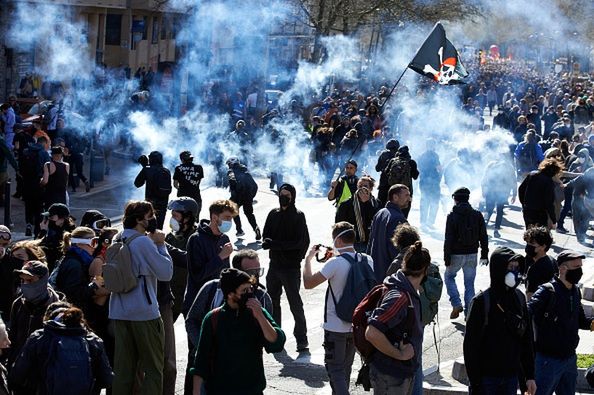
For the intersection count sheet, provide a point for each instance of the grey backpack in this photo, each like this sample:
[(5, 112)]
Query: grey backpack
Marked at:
[(118, 272)]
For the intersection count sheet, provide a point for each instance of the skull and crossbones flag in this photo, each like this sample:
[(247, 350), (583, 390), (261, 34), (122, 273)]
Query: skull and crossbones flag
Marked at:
[(438, 59)]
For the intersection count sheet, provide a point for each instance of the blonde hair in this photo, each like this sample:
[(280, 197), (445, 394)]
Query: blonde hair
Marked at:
[(81, 232)]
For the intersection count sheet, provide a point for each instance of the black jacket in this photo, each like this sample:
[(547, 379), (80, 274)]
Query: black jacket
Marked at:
[(557, 334), (453, 245), (158, 183), (74, 281), (204, 263), (9, 283), (288, 234), (537, 192), (346, 212), (493, 347), (29, 370)]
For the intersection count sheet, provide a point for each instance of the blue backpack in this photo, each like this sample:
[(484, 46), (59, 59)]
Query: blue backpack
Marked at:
[(68, 370), (360, 281)]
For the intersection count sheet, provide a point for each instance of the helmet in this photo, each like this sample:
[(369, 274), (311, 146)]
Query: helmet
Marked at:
[(232, 161), (184, 204), (155, 158)]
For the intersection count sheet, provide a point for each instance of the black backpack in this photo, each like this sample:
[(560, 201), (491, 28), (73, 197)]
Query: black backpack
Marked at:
[(161, 185), (246, 186), (69, 369), (467, 229), (32, 163), (398, 171)]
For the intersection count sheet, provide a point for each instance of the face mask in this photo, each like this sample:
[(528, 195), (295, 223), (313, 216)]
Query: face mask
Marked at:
[(151, 226), (580, 160), (225, 226), (17, 262), (36, 291), (512, 279), (574, 276), (530, 250), (284, 200), (336, 238), (244, 298), (174, 225)]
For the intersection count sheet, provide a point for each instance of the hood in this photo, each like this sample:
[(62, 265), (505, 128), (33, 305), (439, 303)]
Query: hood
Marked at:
[(291, 189), (584, 153), (392, 145), (498, 267), (204, 228), (399, 280), (60, 329), (403, 152), (462, 208), (155, 158)]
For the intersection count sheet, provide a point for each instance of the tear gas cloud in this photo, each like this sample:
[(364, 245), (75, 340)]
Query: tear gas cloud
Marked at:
[(98, 101)]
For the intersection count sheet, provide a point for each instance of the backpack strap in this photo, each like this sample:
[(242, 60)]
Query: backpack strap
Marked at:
[(550, 309), (329, 290), (127, 241)]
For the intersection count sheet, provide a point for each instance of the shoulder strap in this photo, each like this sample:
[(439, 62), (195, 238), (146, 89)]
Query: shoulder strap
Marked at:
[(486, 306), (410, 317), (128, 240), (550, 310), (214, 321)]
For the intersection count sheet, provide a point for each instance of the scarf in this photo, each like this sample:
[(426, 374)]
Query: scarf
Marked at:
[(359, 219)]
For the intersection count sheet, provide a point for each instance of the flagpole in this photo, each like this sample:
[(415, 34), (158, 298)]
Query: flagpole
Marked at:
[(394, 87)]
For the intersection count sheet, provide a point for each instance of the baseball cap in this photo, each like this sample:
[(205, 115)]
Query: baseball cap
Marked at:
[(568, 255), (185, 155), (95, 220), (352, 162), (34, 268), (461, 192), (59, 209)]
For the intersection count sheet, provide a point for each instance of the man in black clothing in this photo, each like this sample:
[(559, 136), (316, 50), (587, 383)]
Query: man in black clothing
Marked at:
[(539, 267), (382, 161), (557, 313), (287, 237), (537, 195), (359, 211), (186, 179), (501, 119), (158, 183), (410, 172), (499, 316), (465, 230), (243, 190)]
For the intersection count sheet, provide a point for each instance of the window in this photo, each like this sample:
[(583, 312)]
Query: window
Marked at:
[(145, 25), (113, 29), (155, 33)]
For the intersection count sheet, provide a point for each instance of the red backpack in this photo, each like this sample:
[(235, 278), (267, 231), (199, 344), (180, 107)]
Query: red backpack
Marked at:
[(361, 316)]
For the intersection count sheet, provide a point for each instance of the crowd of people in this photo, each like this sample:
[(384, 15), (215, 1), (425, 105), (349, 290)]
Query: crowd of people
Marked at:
[(104, 301)]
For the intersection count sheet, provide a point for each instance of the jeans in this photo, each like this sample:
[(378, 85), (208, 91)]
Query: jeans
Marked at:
[(339, 353), (429, 206), (500, 385), (290, 280), (248, 210), (417, 385), (492, 202), (468, 265), (555, 375), (384, 384)]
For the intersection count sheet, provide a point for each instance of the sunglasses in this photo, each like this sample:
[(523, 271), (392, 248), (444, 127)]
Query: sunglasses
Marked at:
[(5, 236), (101, 223), (259, 272)]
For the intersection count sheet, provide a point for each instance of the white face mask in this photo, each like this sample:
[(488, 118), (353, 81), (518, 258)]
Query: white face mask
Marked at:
[(2, 252), (174, 225), (511, 279), (336, 238)]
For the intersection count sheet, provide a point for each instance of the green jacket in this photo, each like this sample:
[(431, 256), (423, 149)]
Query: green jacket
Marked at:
[(234, 349)]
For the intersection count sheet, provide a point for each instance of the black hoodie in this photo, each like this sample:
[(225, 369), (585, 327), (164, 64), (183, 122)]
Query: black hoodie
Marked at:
[(462, 217), (492, 346), (287, 233)]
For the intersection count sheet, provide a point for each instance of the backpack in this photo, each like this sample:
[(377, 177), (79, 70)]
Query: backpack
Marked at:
[(468, 229), (31, 163), (399, 171), (118, 272), (361, 319), (69, 370), (520, 324), (161, 182), (430, 294), (360, 281), (246, 186), (527, 157)]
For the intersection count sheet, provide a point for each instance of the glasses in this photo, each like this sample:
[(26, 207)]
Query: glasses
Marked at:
[(259, 272), (5, 236), (101, 223)]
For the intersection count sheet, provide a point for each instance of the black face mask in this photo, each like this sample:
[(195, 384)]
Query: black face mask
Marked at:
[(574, 276), (17, 263), (284, 200), (151, 227), (244, 298), (530, 250)]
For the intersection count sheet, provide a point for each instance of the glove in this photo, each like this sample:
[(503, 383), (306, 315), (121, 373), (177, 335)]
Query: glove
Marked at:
[(484, 261), (266, 243), (143, 160)]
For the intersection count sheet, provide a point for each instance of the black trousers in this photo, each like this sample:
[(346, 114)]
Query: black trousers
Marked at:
[(248, 210), (535, 217), (290, 280)]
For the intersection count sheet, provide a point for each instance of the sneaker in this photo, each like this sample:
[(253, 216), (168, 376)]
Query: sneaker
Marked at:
[(258, 234), (302, 346), (561, 229), (456, 312), (29, 230), (87, 186), (240, 233), (496, 233)]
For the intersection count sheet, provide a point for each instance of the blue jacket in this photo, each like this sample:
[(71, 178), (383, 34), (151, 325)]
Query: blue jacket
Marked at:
[(380, 245), (204, 263)]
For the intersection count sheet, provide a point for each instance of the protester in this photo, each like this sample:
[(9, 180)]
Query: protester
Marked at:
[(33, 158), (465, 231), (343, 188), (338, 338), (55, 179), (158, 184), (382, 161), (499, 182), (56, 222), (499, 316), (537, 195), (186, 179), (430, 172), (8, 281), (404, 237), (287, 237), (402, 170), (380, 246), (539, 267), (243, 190), (235, 335), (582, 206)]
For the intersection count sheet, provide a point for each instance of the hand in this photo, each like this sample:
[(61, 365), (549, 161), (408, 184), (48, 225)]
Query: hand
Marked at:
[(334, 184), (406, 351), (311, 253), (255, 306), (531, 387), (484, 262), (44, 224), (226, 251), (158, 237), (99, 281), (266, 243), (364, 195)]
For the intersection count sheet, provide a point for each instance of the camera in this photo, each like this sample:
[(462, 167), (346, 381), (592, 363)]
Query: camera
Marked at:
[(143, 160), (325, 250)]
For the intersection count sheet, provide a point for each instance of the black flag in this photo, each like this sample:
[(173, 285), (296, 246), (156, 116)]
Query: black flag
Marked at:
[(438, 59)]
